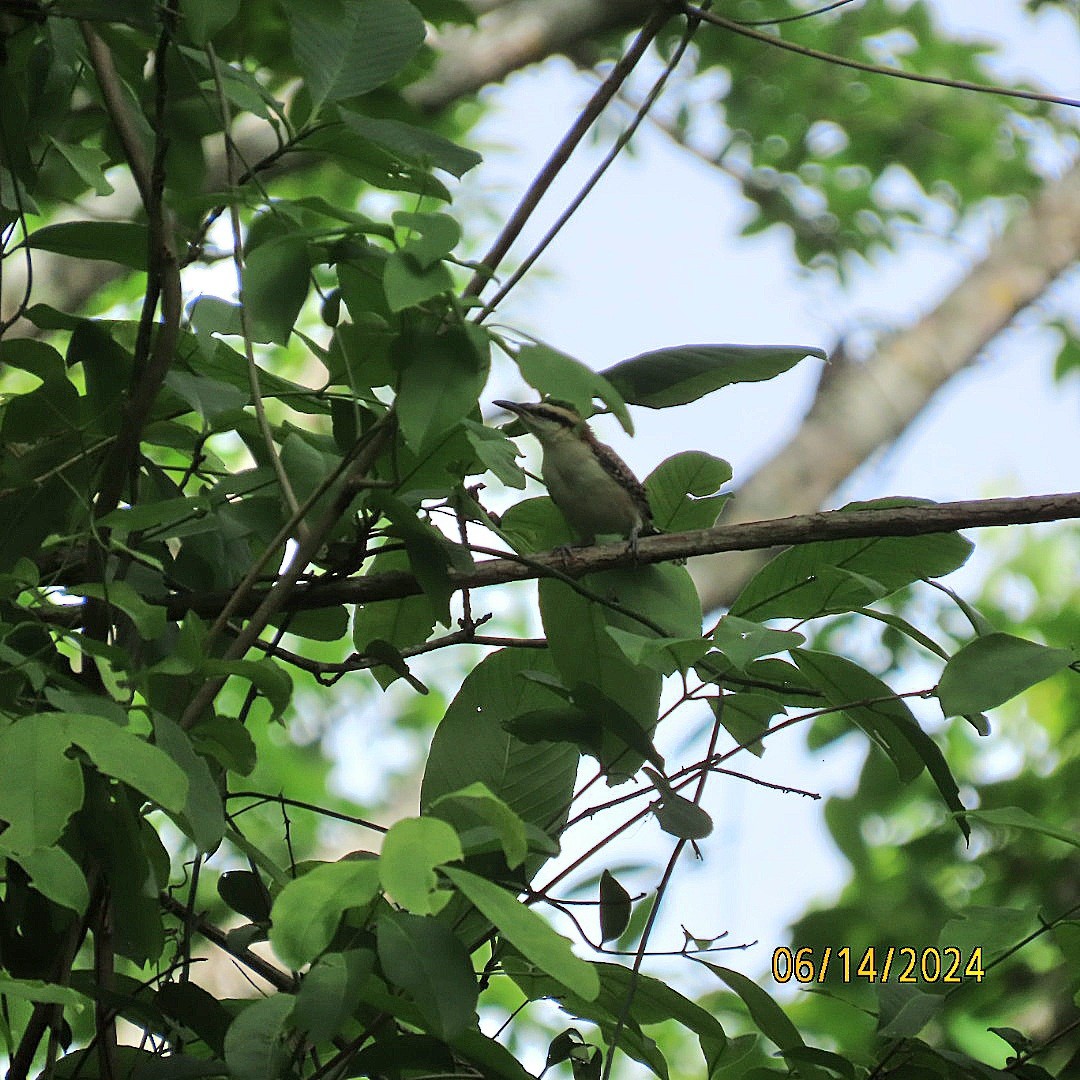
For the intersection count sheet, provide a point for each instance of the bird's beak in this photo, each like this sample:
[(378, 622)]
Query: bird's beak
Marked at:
[(510, 406)]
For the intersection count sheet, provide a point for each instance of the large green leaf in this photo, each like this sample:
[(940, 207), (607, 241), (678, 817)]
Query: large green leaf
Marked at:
[(441, 375), (256, 1046), (674, 376), (329, 994), (425, 959), (887, 721), (411, 850), (276, 280), (203, 816), (586, 654), (994, 668), (54, 873), (841, 575), (307, 911), (109, 241), (471, 745), (556, 375), (40, 786), (771, 1020), (477, 800), (528, 932), (682, 491), (349, 47), (413, 145)]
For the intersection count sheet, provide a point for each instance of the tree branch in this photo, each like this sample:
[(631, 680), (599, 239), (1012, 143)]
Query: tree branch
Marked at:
[(515, 35), (804, 529)]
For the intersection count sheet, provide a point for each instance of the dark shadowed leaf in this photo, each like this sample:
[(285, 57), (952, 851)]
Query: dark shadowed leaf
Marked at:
[(110, 241), (684, 373)]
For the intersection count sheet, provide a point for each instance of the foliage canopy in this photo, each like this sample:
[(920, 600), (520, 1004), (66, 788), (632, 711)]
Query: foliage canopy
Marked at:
[(194, 477)]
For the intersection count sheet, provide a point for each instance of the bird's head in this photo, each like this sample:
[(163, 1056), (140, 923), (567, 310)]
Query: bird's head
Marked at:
[(547, 421)]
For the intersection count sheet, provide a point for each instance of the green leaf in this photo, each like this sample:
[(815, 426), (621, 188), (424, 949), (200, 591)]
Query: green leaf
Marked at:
[(246, 893), (407, 285), (120, 753), (535, 782), (204, 18), (210, 398), (1014, 817), (430, 964), (601, 712), (497, 453), (197, 1009), (410, 851), (431, 236), (651, 1002), (991, 929), (585, 653), (682, 491), (256, 1045), (277, 275), (428, 550), (120, 242), (40, 787), (88, 162), (402, 622), (743, 641), (54, 873), (149, 619), (556, 375), (665, 655), (442, 374), (994, 668), (615, 907), (424, 1053), (477, 799), (330, 992), (818, 1059), (318, 624), (674, 376), (771, 1020), (412, 145), (678, 816), (832, 576), (48, 993), (203, 816), (528, 933), (745, 717), (307, 911), (888, 723), (349, 47), (904, 1011), (273, 682)]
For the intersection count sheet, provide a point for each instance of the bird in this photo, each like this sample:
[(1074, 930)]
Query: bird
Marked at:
[(592, 486)]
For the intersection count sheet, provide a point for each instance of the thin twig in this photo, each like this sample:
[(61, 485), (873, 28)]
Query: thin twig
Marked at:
[(796, 18), (561, 154), (620, 143), (277, 978), (245, 322), (873, 69)]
